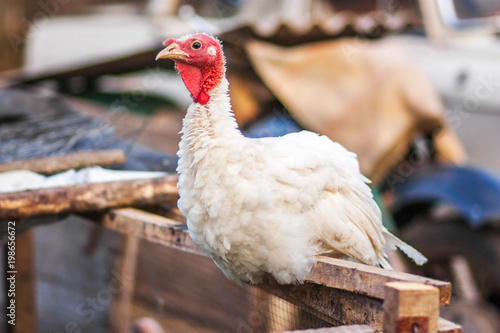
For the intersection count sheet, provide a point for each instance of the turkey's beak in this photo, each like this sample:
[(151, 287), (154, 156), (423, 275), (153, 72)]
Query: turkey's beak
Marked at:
[(172, 51)]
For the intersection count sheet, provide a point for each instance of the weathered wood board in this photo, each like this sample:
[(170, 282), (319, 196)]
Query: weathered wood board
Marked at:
[(86, 198), (76, 160)]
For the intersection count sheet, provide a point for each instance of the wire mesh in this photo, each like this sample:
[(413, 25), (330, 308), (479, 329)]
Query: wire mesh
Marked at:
[(188, 293), (278, 314)]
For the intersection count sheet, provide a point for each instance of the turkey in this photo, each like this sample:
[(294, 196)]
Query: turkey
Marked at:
[(267, 205)]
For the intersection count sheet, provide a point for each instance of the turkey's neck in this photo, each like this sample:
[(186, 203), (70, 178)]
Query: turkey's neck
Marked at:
[(210, 125)]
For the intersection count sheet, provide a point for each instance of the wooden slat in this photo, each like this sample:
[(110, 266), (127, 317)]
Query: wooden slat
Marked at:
[(14, 32), (152, 227), (122, 301), (89, 197), (336, 306), (76, 160), (367, 280), (26, 314)]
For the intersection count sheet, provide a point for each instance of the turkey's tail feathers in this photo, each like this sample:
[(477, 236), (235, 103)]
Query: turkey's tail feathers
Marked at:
[(413, 254)]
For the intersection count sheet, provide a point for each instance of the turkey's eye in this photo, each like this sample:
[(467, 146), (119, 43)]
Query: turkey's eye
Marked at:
[(196, 45)]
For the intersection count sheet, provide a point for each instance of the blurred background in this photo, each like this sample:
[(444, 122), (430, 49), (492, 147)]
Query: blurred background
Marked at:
[(412, 87)]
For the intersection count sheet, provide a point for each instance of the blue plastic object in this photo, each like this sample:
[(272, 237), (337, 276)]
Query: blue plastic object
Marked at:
[(473, 192), (272, 126)]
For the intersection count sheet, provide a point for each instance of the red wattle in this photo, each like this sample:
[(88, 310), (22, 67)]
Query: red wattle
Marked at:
[(191, 76), (200, 81)]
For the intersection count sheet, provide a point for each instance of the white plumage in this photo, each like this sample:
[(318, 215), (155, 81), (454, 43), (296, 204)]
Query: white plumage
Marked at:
[(270, 205)]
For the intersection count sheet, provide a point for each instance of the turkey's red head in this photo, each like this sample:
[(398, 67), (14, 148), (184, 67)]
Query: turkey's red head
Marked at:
[(200, 63)]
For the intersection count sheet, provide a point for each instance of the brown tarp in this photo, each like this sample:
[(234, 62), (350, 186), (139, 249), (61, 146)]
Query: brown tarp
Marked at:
[(369, 96)]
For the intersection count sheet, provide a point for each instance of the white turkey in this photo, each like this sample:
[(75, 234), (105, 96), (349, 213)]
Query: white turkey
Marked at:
[(267, 205)]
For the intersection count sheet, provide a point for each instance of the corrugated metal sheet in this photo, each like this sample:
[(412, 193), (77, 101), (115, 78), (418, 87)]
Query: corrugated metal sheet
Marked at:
[(280, 20), (302, 17)]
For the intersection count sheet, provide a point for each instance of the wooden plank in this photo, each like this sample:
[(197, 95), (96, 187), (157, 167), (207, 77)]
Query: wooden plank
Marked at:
[(122, 301), (337, 307), (89, 197), (118, 65), (340, 329), (367, 280), (26, 318), (14, 32), (410, 307), (152, 227), (76, 160)]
